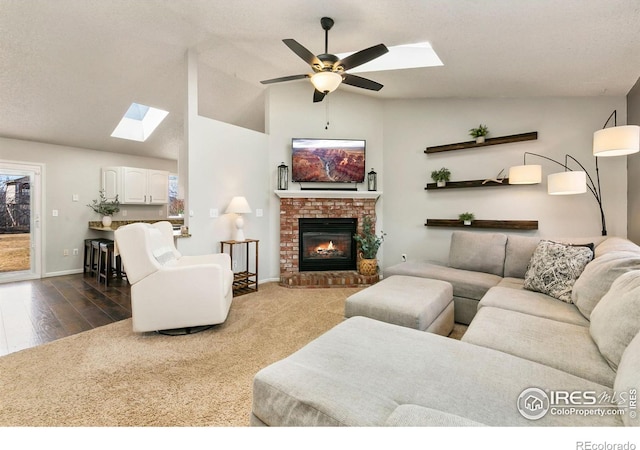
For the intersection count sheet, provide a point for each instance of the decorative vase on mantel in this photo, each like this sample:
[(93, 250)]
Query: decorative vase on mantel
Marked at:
[(368, 267), (106, 221)]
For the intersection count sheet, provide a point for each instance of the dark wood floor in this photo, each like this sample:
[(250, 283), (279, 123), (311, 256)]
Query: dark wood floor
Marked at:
[(40, 311)]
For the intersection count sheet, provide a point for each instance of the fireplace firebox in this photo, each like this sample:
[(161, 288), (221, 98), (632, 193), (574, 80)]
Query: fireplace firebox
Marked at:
[(327, 244)]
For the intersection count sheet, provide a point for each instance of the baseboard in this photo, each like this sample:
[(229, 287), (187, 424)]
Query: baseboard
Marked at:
[(61, 273)]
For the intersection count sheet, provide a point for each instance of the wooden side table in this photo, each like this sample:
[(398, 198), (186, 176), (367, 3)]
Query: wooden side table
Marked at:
[(245, 279)]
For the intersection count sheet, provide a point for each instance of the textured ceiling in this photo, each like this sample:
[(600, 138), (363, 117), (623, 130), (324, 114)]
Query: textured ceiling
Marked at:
[(70, 68)]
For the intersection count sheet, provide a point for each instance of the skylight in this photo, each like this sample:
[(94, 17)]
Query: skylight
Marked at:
[(407, 56), (139, 122)]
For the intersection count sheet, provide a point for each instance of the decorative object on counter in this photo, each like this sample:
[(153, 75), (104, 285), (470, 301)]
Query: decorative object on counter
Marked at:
[(239, 206), (106, 208), (372, 181), (466, 218), (283, 177), (498, 179), (441, 176), (479, 133), (369, 244)]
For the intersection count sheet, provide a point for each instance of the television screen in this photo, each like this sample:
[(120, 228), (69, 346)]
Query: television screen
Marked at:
[(328, 160)]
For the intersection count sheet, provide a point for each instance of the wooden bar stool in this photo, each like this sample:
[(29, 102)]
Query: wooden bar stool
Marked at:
[(105, 262), (95, 256), (87, 255)]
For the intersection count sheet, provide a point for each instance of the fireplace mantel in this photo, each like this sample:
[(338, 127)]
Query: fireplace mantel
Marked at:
[(328, 194)]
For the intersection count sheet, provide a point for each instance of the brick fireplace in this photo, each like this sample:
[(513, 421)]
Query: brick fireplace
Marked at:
[(296, 205)]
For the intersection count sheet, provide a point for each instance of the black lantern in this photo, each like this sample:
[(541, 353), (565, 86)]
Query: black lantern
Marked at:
[(283, 177), (372, 181)]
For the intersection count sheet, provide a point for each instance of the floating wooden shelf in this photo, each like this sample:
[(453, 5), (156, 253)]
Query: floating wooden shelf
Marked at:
[(532, 136), (502, 224), (467, 184)]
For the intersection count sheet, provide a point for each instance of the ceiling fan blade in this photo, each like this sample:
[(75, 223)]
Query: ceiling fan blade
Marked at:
[(363, 56), (318, 96), (281, 79), (364, 83), (303, 53)]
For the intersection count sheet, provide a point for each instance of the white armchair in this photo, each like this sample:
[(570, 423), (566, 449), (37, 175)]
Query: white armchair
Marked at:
[(170, 291)]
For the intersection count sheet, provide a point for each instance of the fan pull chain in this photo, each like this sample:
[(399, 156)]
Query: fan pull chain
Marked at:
[(326, 112)]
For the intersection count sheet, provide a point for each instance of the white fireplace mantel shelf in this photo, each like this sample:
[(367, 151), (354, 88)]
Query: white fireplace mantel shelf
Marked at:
[(328, 194)]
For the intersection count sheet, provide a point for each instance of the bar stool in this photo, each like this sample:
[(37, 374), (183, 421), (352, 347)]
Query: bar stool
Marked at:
[(87, 255), (105, 262), (95, 256)]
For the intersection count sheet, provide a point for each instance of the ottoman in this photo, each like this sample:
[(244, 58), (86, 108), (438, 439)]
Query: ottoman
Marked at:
[(414, 302)]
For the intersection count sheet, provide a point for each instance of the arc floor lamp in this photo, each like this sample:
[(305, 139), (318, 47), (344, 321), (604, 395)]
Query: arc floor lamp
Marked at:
[(612, 141)]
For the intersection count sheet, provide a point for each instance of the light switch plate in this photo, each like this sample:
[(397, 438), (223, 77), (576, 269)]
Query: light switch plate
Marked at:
[(213, 213), (259, 213), (54, 213)]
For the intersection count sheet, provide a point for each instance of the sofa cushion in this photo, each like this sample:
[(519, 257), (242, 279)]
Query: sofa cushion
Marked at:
[(628, 379), (420, 416), (357, 374), (615, 244), (533, 303), (466, 283), (599, 275), (616, 318), (518, 252), (555, 267), (481, 252), (564, 346)]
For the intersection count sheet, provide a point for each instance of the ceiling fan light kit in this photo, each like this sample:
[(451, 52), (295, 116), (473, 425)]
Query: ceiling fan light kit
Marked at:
[(329, 70)]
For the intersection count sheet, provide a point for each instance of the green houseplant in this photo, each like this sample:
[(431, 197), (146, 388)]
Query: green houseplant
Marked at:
[(466, 217), (441, 176), (106, 208), (369, 243), (479, 133)]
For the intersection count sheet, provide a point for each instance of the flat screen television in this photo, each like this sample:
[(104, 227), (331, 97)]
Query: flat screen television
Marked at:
[(328, 160)]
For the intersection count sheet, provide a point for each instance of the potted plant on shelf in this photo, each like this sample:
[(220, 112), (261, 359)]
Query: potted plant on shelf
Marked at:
[(479, 133), (369, 244), (441, 176), (466, 218), (106, 208)]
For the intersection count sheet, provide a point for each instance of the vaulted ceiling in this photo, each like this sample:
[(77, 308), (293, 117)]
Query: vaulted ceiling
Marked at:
[(69, 69)]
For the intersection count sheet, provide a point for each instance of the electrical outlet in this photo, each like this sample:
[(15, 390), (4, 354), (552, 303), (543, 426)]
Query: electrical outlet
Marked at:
[(213, 213), (259, 212), (160, 212), (75, 198), (234, 265), (124, 213), (65, 252), (54, 213), (75, 252), (404, 257)]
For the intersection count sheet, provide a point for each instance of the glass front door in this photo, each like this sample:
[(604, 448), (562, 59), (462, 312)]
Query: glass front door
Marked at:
[(20, 231)]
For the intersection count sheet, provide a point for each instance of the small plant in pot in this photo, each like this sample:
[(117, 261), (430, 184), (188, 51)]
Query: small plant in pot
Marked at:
[(479, 133), (441, 176), (106, 208), (369, 243), (466, 218)]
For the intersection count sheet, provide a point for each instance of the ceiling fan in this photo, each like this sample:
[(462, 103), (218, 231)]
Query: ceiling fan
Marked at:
[(329, 70)]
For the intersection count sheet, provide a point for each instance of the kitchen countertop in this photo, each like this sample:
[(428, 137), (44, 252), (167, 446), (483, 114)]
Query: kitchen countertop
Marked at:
[(97, 225)]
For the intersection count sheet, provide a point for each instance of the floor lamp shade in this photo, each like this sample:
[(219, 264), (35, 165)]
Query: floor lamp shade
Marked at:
[(567, 183), (616, 141), (527, 174)]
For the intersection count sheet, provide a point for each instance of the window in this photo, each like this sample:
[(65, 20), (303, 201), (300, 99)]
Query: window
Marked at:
[(176, 205)]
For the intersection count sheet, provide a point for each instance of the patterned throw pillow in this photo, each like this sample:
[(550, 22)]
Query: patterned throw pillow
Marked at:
[(554, 268)]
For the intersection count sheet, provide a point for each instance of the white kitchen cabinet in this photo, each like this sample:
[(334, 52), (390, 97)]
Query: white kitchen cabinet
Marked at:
[(136, 186)]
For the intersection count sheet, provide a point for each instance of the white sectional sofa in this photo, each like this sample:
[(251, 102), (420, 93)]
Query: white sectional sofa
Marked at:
[(526, 359)]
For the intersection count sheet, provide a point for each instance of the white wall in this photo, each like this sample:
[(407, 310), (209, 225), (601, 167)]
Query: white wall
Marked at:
[(223, 161), (69, 171), (564, 125), (292, 113)]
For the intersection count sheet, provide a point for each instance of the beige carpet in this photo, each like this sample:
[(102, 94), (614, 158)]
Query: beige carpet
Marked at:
[(110, 376)]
